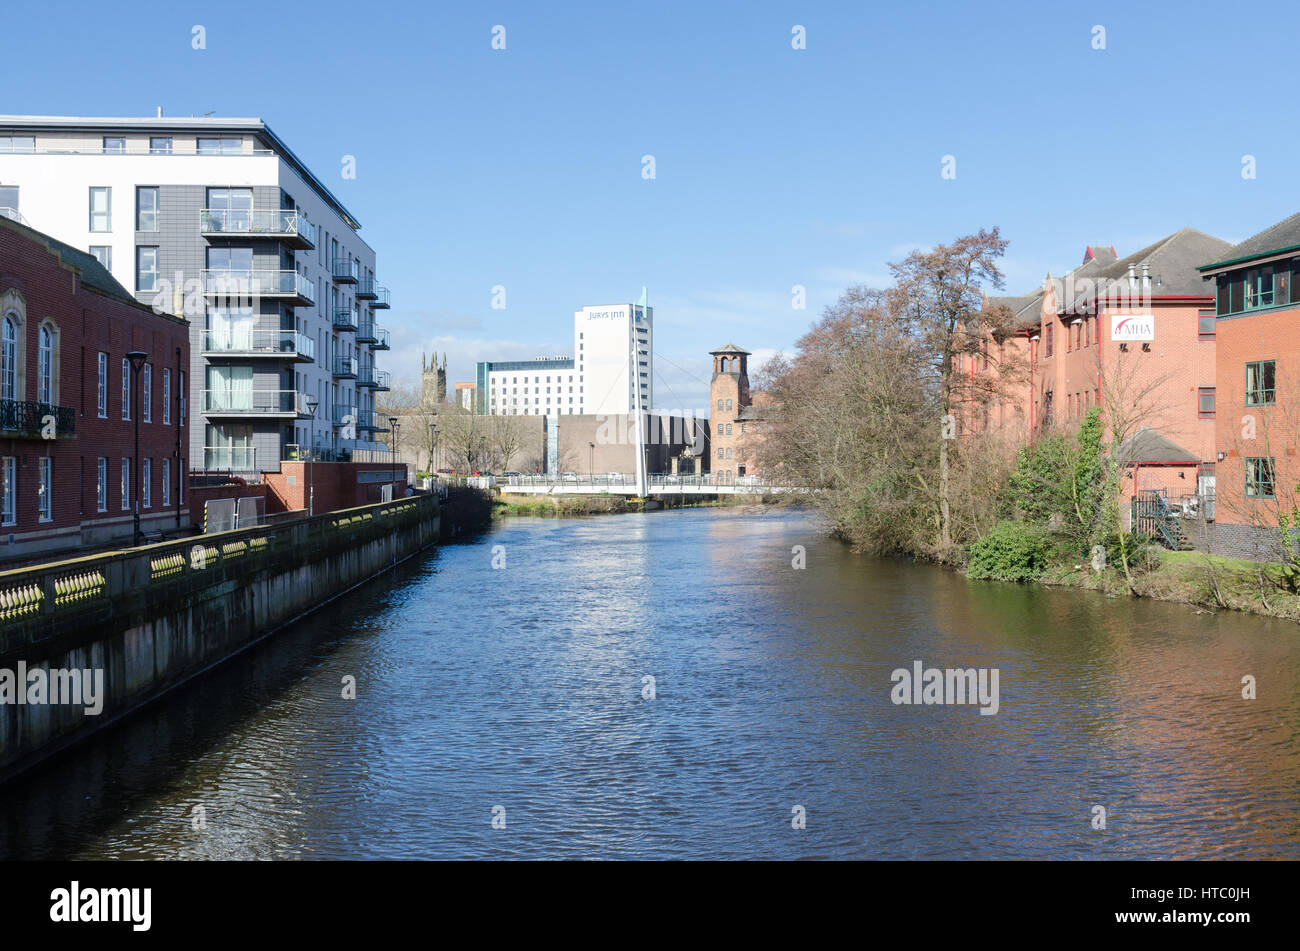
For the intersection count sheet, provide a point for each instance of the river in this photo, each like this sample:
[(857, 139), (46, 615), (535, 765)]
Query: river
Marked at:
[(518, 693)]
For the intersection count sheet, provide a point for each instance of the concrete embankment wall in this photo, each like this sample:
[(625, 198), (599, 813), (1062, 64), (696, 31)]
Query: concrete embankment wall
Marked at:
[(154, 617)]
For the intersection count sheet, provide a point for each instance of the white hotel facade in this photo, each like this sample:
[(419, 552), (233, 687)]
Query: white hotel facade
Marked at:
[(186, 213), (613, 347)]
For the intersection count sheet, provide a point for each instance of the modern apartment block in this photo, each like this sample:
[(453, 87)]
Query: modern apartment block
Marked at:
[(216, 219), (613, 346)]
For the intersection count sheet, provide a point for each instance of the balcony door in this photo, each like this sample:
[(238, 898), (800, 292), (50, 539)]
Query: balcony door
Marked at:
[(232, 208), (229, 447), (230, 388), (231, 328)]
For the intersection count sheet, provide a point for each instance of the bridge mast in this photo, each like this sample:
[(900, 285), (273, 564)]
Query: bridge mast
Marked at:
[(642, 488)]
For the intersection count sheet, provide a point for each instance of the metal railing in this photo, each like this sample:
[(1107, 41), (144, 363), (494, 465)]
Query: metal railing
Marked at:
[(255, 282), (12, 214), (345, 272), (25, 419), (369, 376), (255, 402), (366, 331), (345, 320), (340, 412), (257, 222), (365, 288), (345, 367), (382, 300), (267, 343), (381, 340)]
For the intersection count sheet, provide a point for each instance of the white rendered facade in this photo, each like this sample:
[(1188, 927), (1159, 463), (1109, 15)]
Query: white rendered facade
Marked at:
[(605, 339), (174, 208)]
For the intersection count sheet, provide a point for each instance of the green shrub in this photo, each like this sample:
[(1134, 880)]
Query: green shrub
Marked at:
[(1013, 551)]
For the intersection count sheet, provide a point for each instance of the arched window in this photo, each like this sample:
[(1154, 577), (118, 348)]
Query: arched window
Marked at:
[(45, 367), (9, 358)]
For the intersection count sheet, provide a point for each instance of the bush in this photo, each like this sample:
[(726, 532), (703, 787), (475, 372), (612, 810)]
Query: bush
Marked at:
[(1013, 551)]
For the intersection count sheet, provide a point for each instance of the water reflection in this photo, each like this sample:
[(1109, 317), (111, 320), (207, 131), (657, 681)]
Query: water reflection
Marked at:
[(522, 687)]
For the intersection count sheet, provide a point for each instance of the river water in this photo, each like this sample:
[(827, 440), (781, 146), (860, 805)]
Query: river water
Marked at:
[(518, 692)]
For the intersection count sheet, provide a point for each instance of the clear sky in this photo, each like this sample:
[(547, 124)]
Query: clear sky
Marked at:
[(774, 167)]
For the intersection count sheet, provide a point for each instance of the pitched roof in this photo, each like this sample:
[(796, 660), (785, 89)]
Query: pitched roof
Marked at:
[(1147, 445), (1283, 236), (92, 274), (1172, 263), (730, 348)]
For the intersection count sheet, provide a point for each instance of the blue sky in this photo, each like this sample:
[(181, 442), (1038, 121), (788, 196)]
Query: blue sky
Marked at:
[(774, 167)]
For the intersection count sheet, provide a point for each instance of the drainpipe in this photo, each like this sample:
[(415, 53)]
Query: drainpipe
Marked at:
[(179, 474)]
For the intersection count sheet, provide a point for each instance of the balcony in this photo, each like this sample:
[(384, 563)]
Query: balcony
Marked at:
[(366, 423), (345, 368), (20, 419), (255, 403), (344, 415), (381, 340), (229, 459), (366, 332), (366, 288), (245, 285), (345, 320), (369, 376), (380, 299), (285, 225), (345, 271), (275, 344)]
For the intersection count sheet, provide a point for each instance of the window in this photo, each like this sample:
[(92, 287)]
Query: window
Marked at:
[(8, 490), (1049, 339), (1259, 478), (101, 394), (146, 208), (126, 388), (45, 493), (8, 199), (1205, 402), (1261, 387), (126, 484), (146, 481), (184, 400), (728, 404), (101, 208), (167, 483), (1206, 329), (114, 145), (167, 397), (45, 367), (103, 253), (9, 357), (160, 145), (728, 429), (720, 432), (146, 393), (101, 485), (146, 269), (220, 146), (18, 143)]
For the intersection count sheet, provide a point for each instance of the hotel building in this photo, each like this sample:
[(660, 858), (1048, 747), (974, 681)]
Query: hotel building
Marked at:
[(218, 220), (611, 372)]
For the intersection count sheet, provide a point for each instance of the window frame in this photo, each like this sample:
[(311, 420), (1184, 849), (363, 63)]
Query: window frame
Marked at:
[(107, 213), (1253, 396), (1271, 463), (1201, 393), (45, 489), (141, 211)]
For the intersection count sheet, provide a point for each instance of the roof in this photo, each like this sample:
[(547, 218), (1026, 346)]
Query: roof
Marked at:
[(1147, 445), (207, 124), (1283, 236), (1171, 262), (730, 348), (90, 272), (752, 412)]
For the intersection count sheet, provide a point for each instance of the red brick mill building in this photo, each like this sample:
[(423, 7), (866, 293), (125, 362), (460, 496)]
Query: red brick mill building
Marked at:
[(69, 398)]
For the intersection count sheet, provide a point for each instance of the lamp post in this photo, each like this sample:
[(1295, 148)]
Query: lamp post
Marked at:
[(392, 436), (397, 441), (482, 453), (312, 403), (433, 447), (136, 358), (591, 461)]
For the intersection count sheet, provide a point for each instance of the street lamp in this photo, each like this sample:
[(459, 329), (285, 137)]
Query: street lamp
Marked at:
[(482, 453), (591, 461), (136, 358), (392, 438), (397, 429), (312, 403), (433, 447)]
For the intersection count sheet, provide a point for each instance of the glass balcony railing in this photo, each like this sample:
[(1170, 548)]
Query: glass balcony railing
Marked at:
[(365, 288), (345, 367), (345, 271), (284, 224), (239, 402), (243, 342), (381, 340), (369, 376), (345, 320), (244, 284), (232, 458), (344, 415), (381, 299), (366, 331)]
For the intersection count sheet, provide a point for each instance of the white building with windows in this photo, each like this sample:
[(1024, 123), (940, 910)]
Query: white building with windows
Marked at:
[(613, 359), (217, 220)]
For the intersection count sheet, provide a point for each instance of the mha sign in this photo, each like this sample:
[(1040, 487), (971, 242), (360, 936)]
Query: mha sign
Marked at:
[(1127, 328)]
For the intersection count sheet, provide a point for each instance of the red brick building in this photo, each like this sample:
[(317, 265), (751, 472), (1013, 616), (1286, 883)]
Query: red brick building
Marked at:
[(69, 401), (1256, 293), (736, 416)]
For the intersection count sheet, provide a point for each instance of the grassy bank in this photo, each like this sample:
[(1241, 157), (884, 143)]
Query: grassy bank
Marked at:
[(1191, 577)]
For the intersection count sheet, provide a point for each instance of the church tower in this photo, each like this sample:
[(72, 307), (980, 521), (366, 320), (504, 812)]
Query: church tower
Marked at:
[(433, 380)]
